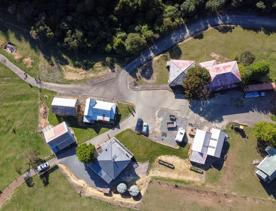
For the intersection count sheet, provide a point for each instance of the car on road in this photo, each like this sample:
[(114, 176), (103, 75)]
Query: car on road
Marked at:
[(180, 135), (254, 94), (145, 130), (43, 167), (139, 126)]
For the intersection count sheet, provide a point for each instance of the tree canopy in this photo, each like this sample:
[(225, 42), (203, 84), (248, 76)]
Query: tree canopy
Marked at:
[(85, 152), (120, 27), (196, 83), (266, 131)]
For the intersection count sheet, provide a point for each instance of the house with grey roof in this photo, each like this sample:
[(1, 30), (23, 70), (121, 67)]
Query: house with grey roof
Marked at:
[(266, 170), (111, 159)]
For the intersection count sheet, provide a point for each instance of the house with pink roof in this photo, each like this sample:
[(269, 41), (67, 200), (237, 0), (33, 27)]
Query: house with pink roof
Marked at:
[(223, 76), (177, 71)]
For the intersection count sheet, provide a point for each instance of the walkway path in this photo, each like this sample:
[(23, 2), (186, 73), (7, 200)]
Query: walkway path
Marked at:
[(11, 188)]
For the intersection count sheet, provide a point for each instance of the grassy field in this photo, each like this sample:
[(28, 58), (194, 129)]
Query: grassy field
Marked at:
[(145, 149), (238, 173), (85, 132), (57, 195), (224, 45), (18, 125)]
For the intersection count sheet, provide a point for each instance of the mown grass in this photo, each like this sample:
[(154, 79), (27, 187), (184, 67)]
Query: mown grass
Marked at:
[(18, 125), (226, 45), (146, 150), (57, 195), (238, 173)]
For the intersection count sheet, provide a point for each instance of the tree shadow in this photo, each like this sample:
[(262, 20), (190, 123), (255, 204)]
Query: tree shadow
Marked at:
[(230, 103), (175, 52), (224, 28)]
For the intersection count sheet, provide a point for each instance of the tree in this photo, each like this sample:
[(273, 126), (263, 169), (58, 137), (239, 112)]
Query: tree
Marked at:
[(246, 58), (135, 43), (214, 5), (85, 152), (265, 131), (33, 159), (196, 83), (188, 7), (261, 5)]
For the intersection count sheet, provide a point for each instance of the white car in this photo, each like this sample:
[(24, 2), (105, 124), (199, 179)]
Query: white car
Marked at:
[(43, 167), (145, 130), (180, 134)]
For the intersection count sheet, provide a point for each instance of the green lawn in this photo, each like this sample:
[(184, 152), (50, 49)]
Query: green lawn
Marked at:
[(226, 45), (144, 149), (160, 68), (18, 125), (238, 173), (57, 195)]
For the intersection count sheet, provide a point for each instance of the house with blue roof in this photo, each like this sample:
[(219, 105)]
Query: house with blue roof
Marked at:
[(96, 110)]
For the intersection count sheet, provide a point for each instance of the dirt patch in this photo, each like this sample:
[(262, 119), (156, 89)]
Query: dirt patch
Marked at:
[(17, 56), (219, 57), (43, 116), (28, 62), (75, 74), (181, 172), (85, 190)]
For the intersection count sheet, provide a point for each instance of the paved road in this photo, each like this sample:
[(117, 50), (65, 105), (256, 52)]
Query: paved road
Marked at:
[(11, 188), (149, 102)]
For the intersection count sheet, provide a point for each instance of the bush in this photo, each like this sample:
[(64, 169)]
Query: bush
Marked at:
[(266, 132), (196, 83), (246, 58), (254, 72), (85, 152)]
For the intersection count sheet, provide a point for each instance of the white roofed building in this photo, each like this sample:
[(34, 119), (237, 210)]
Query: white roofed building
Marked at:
[(96, 110), (207, 144), (64, 106), (177, 71)]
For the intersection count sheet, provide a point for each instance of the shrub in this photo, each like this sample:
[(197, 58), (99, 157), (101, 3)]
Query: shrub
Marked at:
[(246, 58), (265, 131), (254, 72), (85, 152), (196, 83)]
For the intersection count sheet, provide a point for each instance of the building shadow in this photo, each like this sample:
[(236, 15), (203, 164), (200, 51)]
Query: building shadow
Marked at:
[(270, 188)]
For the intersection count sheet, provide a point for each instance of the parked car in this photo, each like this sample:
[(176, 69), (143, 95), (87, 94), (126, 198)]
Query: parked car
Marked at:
[(171, 125), (43, 167), (254, 94), (139, 126), (172, 117), (180, 135), (145, 130)]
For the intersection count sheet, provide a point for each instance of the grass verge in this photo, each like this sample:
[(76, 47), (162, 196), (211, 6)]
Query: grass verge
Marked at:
[(144, 149)]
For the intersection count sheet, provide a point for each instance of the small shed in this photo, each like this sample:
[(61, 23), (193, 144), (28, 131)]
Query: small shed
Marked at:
[(266, 170), (64, 106), (59, 137)]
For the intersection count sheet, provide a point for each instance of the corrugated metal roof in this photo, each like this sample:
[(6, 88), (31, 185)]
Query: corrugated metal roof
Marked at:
[(54, 132), (96, 110), (177, 67), (111, 160), (260, 87), (66, 102), (268, 165)]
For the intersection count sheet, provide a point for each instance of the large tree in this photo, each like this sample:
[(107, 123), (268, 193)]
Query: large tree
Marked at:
[(196, 83), (85, 152)]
